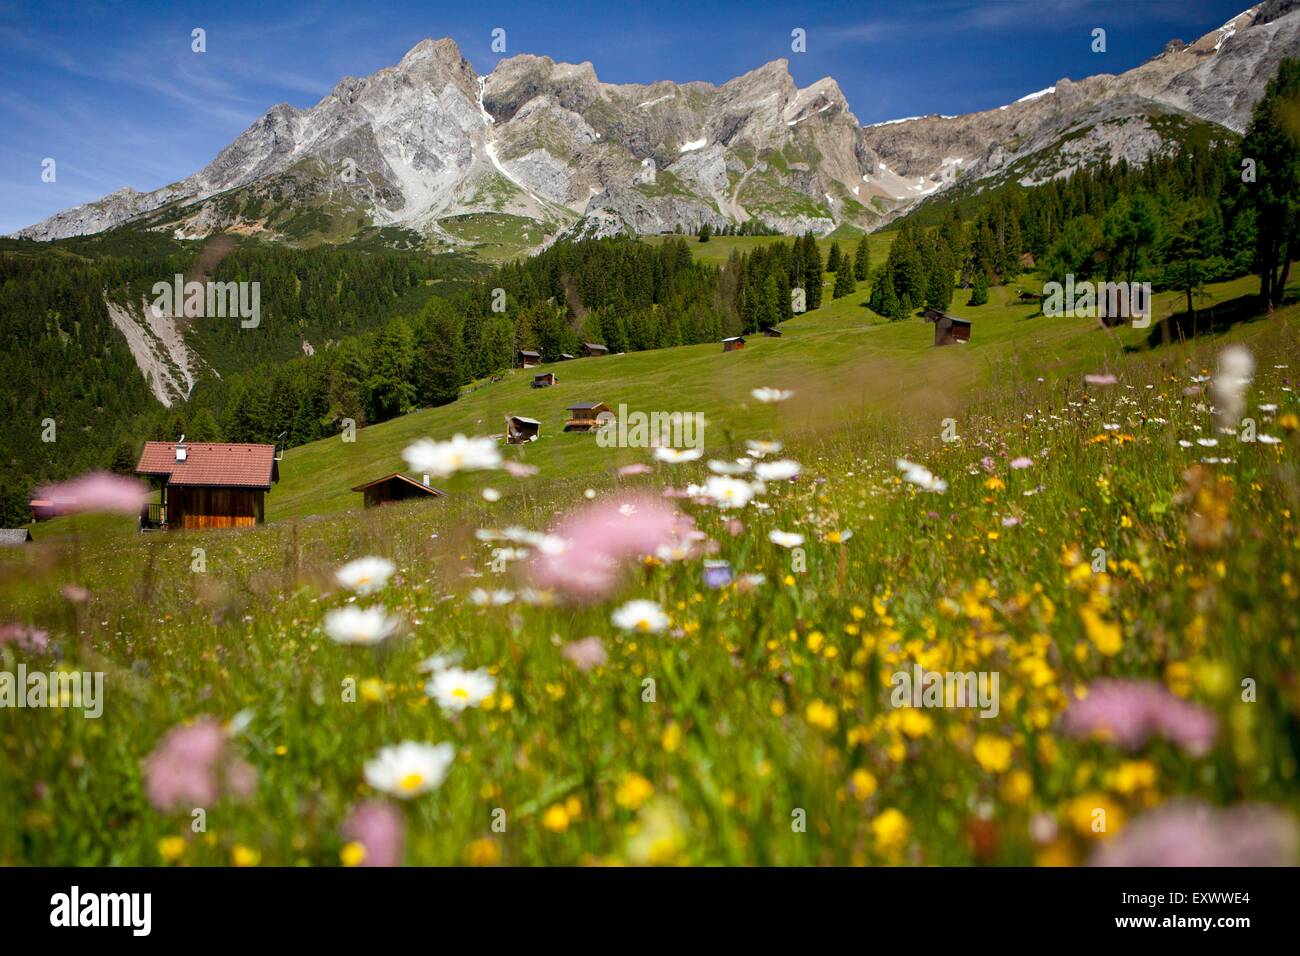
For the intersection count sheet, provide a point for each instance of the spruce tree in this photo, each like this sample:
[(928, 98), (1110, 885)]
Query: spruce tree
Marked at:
[(862, 261), (438, 360), (1272, 144), (812, 277), (833, 260), (844, 283)]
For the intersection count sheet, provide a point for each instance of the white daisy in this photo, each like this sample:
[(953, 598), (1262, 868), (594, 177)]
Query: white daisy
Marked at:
[(760, 448), (443, 458), (482, 598), (786, 539), (1235, 369), (728, 492), (365, 575), (675, 456), (356, 625), (776, 470), (738, 467), (641, 615), (768, 395), (438, 662), (454, 689), (410, 769), (921, 476)]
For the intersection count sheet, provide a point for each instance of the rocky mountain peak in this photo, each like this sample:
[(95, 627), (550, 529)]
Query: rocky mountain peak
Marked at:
[(430, 146)]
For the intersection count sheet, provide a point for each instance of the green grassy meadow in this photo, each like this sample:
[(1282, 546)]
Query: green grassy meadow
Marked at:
[(766, 733)]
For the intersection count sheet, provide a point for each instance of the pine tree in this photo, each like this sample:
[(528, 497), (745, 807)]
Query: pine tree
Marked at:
[(1272, 144), (203, 427), (438, 357), (844, 284), (979, 293), (862, 261), (124, 458), (812, 277), (833, 260), (884, 300)]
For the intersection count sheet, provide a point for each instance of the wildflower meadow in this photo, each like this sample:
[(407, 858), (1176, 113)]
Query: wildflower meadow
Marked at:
[(1061, 633)]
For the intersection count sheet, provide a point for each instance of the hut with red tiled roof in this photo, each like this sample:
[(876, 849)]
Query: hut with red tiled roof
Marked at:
[(207, 484)]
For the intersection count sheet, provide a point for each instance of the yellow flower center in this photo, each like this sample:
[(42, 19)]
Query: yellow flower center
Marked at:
[(460, 692), (410, 782)]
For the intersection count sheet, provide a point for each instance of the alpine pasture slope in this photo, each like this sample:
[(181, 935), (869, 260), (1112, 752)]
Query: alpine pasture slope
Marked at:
[(751, 723), (844, 363)]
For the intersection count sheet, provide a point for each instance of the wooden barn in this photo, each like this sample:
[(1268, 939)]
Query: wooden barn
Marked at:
[(733, 343), (520, 430), (42, 508), (565, 357), (593, 349), (207, 484), (527, 358), (771, 333), (13, 537), (948, 328), (585, 417), (544, 380), (396, 487)]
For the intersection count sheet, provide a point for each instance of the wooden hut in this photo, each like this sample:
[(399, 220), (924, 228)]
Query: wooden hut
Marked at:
[(207, 484), (396, 487), (771, 333), (593, 349), (42, 508), (520, 430), (527, 358), (544, 380), (565, 357), (733, 343), (13, 537), (948, 328), (585, 417)]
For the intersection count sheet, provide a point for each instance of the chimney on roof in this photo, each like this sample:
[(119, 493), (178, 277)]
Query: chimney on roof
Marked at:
[(426, 481), (180, 449)]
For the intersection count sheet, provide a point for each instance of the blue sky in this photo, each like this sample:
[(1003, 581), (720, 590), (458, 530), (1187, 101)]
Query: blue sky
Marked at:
[(113, 92)]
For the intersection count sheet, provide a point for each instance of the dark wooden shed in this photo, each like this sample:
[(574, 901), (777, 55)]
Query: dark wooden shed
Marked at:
[(733, 343), (593, 349), (771, 333), (395, 487), (520, 429), (527, 358), (544, 380), (948, 329)]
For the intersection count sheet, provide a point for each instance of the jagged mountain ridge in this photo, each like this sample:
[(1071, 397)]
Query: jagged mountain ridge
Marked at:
[(1206, 88), (428, 139), (547, 147)]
